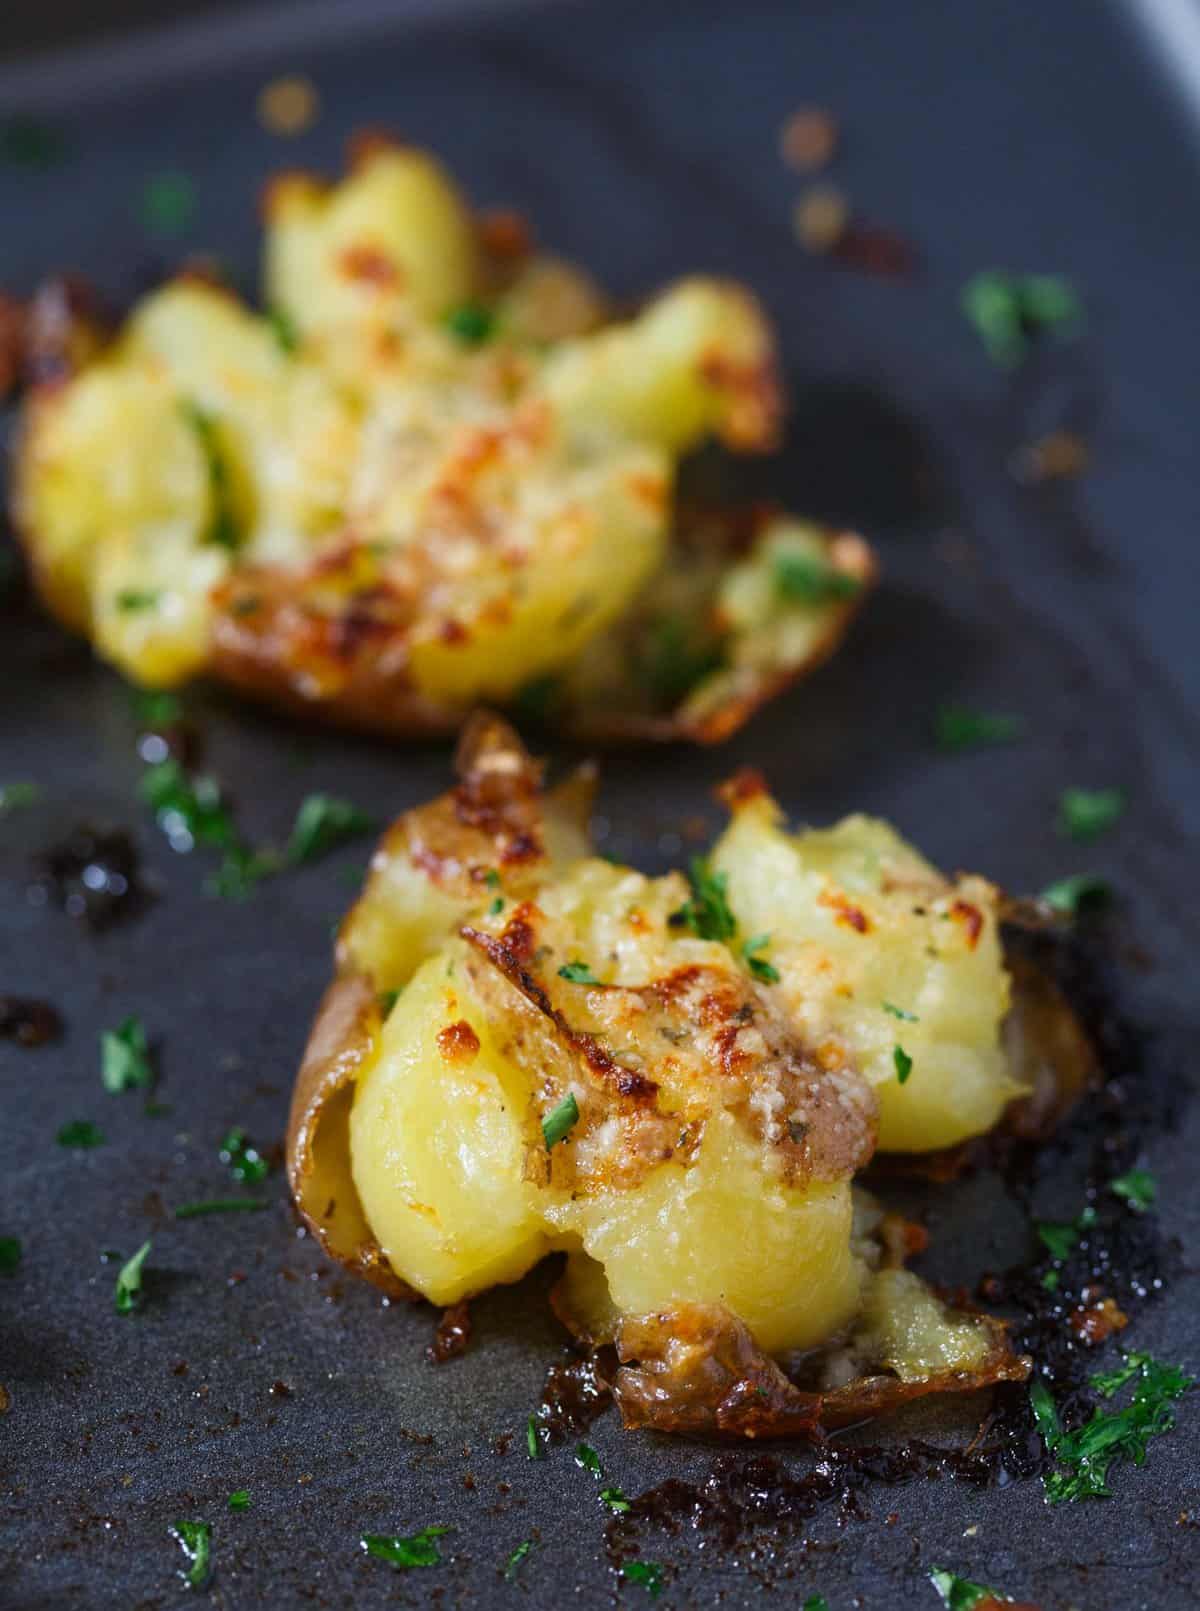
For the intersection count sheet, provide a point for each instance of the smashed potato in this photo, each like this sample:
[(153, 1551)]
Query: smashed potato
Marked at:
[(544, 1051), (437, 471)]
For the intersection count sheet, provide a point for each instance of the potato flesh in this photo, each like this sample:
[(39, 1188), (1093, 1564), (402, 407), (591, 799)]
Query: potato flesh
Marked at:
[(921, 954)]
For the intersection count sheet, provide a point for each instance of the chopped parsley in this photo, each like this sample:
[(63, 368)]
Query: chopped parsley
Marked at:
[(1109, 1382), (1138, 1187), (587, 1457), (80, 1133), (219, 1205), (1051, 1280), (387, 1000), (807, 579), (125, 1057), (576, 972), (155, 711), (1009, 311), (168, 204), (532, 1441), (647, 1574), (190, 810), (222, 528), (903, 1063), (1080, 890), (10, 1254), (899, 1012), (15, 795), (239, 1499), (959, 1593), (762, 970), (195, 1540), (1086, 1456), (418, 1549), (512, 1565), (471, 322), (707, 913), (323, 822), (674, 659), (1087, 813), (283, 328), (1059, 1237), (561, 1120), (495, 906), (246, 1163), (127, 1295), (957, 728), (816, 1602), (614, 1499), (130, 598)]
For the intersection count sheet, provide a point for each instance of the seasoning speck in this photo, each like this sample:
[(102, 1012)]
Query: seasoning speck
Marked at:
[(288, 106), (808, 140)]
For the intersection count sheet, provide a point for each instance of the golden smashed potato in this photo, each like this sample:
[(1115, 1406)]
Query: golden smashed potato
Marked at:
[(436, 471), (673, 1081)]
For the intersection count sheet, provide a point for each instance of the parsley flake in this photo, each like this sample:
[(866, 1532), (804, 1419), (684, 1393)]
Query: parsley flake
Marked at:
[(707, 913), (647, 1574), (10, 1254), (959, 1593), (130, 598), (1138, 1187), (80, 1133), (512, 1565), (816, 1602), (957, 728), (222, 527), (1009, 311), (15, 795), (1073, 894), (418, 1549), (1087, 813), (807, 579), (246, 1163), (125, 1058), (576, 972), (559, 1122), (127, 1295), (903, 1063), (239, 1499), (532, 1441), (283, 328), (587, 1457), (387, 1000), (323, 822), (219, 1205), (899, 1012), (195, 1540), (762, 970), (675, 657), (615, 1499), (471, 322)]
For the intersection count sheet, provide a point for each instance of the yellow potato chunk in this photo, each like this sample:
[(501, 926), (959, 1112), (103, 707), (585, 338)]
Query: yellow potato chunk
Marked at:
[(880, 954)]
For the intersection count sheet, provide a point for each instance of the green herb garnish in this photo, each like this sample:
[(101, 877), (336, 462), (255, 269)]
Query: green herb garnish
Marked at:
[(131, 599), (246, 1163), (1087, 813), (532, 1442), (614, 1499), (387, 1000), (239, 1499), (816, 1602), (1051, 1280), (154, 711), (283, 328), (762, 970), (959, 1593), (645, 1573), (674, 659), (1080, 890), (323, 822), (1109, 1382), (1086, 1456), (471, 322), (418, 1549), (15, 795), (587, 1457), (10, 1254), (125, 1058), (707, 913), (958, 728), (1058, 1239), (127, 1295), (190, 810), (1009, 310), (80, 1133), (899, 1012), (577, 972), (222, 529), (495, 906), (805, 579), (903, 1063), (219, 1205), (168, 204), (1138, 1187), (560, 1120), (195, 1540), (512, 1565)]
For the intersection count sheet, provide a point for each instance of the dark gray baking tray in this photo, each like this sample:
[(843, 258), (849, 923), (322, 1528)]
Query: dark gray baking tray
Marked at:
[(641, 138)]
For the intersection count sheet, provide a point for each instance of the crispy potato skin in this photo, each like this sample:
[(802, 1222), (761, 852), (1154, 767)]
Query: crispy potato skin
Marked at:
[(352, 512), (700, 1183)]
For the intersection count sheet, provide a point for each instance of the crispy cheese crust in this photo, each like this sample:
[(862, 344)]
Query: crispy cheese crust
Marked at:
[(438, 472), (545, 1051)]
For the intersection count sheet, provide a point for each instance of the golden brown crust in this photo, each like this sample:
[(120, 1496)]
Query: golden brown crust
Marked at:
[(696, 1369), (318, 1138)]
